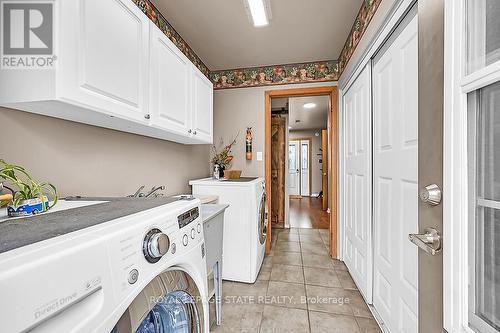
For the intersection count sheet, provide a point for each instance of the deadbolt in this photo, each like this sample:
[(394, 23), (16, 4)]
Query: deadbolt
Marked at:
[(431, 194)]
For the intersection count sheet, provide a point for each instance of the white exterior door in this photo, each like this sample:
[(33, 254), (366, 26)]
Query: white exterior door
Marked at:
[(170, 75), (304, 168), (294, 168), (358, 180), (395, 179)]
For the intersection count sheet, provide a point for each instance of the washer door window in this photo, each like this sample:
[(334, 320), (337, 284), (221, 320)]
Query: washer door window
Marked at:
[(174, 313), (170, 303), (263, 219)]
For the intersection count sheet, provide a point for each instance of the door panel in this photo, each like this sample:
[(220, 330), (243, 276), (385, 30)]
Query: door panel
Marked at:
[(430, 157), (170, 84), (324, 168), (202, 107), (304, 168), (293, 168), (278, 170), (395, 163), (357, 110), (105, 65)]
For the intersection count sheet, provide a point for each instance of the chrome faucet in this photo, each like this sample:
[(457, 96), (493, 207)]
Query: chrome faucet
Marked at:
[(137, 193), (154, 190)]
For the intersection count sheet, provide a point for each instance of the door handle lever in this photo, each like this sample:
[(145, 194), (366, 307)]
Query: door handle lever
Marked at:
[(430, 242)]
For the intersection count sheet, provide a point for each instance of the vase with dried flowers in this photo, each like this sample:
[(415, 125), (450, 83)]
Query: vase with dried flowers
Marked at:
[(222, 159)]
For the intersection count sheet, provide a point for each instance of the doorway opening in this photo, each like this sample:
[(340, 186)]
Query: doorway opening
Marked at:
[(300, 153)]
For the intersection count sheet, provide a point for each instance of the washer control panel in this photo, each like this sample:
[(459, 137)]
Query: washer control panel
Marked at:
[(186, 218)]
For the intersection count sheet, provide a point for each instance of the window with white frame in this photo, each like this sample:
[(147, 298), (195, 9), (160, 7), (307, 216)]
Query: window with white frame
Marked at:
[(483, 164)]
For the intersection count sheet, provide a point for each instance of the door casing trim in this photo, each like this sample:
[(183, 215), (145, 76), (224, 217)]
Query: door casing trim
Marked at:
[(331, 91)]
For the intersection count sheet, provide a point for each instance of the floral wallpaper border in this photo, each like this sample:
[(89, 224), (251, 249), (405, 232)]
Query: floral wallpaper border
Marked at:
[(161, 22), (365, 15), (317, 71)]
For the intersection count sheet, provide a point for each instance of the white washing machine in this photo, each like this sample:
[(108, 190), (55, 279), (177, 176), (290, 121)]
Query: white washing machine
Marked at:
[(144, 272), (245, 224)]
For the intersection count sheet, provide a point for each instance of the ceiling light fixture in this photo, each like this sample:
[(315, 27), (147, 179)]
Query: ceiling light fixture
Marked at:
[(259, 11), (310, 105), (289, 127)]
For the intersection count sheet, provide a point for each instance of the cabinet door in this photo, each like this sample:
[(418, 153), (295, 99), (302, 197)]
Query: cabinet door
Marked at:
[(202, 107), (170, 74), (103, 57)]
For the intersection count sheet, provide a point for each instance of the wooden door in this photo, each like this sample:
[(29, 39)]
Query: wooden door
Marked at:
[(278, 138), (324, 167)]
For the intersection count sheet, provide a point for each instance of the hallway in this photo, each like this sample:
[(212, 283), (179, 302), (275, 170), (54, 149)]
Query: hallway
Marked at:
[(306, 212), (300, 289)]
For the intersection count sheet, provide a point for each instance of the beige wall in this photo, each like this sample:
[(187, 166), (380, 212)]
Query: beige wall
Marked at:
[(234, 110), (87, 160), (316, 185)]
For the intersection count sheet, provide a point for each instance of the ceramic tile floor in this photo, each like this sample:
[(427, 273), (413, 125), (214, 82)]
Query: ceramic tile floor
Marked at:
[(299, 289)]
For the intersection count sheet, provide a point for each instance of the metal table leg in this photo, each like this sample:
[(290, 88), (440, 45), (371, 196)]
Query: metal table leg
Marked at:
[(218, 291)]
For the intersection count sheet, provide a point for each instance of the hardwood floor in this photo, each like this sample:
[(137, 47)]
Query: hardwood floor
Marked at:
[(308, 213)]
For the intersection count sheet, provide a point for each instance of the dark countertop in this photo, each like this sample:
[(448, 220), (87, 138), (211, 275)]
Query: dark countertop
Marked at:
[(18, 232)]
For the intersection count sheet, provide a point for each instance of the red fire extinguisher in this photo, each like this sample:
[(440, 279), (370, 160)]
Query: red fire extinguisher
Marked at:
[(248, 141)]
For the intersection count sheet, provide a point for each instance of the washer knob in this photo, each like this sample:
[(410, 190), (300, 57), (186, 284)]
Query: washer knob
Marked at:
[(185, 240), (193, 233), (156, 245), (199, 228)]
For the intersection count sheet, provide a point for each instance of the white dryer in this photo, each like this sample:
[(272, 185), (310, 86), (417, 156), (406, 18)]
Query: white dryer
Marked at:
[(245, 224), (135, 273)]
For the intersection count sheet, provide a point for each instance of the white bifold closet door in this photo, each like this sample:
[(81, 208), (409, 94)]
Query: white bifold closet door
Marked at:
[(358, 182), (395, 175)]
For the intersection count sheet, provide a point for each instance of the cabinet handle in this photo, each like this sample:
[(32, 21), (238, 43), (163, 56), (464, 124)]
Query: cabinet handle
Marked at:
[(147, 116), (194, 132), (189, 131)]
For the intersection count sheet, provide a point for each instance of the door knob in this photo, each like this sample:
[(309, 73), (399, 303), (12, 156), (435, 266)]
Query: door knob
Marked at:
[(430, 242), (431, 194)]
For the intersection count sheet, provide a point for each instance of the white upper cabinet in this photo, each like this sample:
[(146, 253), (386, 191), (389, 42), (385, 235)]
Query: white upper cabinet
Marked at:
[(202, 107), (170, 85), (115, 69), (104, 53)]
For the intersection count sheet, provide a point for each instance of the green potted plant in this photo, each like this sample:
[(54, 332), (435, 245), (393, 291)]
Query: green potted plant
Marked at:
[(222, 159), (30, 196)]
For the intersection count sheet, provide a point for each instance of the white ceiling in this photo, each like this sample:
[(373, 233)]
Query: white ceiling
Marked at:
[(315, 118), (220, 32)]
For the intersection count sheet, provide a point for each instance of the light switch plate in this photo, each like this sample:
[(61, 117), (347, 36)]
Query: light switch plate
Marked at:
[(259, 156)]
